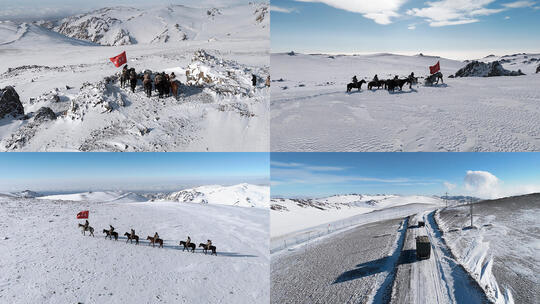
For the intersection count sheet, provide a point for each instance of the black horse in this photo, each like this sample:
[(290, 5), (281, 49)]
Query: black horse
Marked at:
[(392, 84), (186, 246), (206, 248), (355, 85), (373, 84)]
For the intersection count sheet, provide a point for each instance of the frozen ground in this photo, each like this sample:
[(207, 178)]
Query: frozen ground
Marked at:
[(311, 110), (502, 250), (48, 69), (338, 269), (46, 259)]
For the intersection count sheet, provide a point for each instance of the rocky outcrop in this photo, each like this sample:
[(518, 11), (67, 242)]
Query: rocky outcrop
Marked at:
[(482, 69), (10, 104), (538, 69), (44, 114)]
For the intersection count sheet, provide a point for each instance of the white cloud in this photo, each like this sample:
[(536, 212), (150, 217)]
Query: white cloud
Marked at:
[(411, 27), (449, 186), (507, 18), (482, 184), (285, 10), (519, 4), (380, 11), (454, 12)]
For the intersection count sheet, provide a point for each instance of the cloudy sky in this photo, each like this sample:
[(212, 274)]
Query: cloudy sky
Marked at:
[(43, 9), (128, 171), (485, 175), (460, 29)]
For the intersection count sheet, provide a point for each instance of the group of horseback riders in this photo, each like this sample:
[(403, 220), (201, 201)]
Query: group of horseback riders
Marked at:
[(164, 83), (392, 84), (133, 236)]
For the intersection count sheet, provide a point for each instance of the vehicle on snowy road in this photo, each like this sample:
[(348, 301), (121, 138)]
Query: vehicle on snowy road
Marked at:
[(423, 247)]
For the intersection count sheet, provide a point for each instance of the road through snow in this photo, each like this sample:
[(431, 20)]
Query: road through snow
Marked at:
[(350, 267), (439, 279)]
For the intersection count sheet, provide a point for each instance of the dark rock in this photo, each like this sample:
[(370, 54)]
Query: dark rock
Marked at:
[(44, 114), (482, 69), (10, 104), (538, 69)]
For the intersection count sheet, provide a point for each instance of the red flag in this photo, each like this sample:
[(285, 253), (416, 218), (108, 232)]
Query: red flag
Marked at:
[(82, 214), (434, 69), (119, 60)]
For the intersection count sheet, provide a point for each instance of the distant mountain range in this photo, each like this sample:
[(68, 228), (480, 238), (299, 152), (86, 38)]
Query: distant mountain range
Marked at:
[(114, 26)]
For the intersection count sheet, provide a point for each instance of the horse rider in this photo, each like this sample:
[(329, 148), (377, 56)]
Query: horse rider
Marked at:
[(132, 233), (112, 229), (354, 79), (86, 224), (376, 78), (208, 244), (188, 241), (156, 236), (411, 80)]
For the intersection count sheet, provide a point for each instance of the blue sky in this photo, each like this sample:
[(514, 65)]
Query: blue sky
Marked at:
[(38, 9), (459, 29), (485, 175), (128, 171)]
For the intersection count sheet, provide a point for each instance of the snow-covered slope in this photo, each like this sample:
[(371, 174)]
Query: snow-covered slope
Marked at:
[(126, 25), (26, 35), (80, 84), (290, 215), (46, 259), (243, 195), (311, 110), (501, 252), (99, 196)]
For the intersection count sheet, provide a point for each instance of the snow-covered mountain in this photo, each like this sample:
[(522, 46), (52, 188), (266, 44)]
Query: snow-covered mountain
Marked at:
[(173, 23), (20, 194), (243, 195), (99, 196), (349, 201), (32, 35)]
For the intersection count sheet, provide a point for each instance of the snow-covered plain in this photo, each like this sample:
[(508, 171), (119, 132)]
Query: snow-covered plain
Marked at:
[(311, 110), (49, 69), (46, 259)]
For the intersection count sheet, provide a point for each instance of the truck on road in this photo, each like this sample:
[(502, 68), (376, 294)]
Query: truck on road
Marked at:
[(423, 247)]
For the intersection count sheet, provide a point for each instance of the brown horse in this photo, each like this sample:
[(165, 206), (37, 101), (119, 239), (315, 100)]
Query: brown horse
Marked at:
[(175, 85), (129, 238), (206, 248), (85, 228), (155, 240), (186, 246)]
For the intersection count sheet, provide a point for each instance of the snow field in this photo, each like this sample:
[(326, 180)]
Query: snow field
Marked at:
[(57, 264)]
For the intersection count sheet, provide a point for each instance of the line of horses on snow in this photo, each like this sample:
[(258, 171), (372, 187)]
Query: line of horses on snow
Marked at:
[(153, 240), (395, 83)]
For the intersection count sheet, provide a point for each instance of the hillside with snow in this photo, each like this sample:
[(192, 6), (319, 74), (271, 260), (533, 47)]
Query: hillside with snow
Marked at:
[(242, 195), (62, 68), (173, 23), (293, 215), (312, 111), (98, 196)]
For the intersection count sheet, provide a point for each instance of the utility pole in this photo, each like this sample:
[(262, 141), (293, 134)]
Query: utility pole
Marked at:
[(470, 204)]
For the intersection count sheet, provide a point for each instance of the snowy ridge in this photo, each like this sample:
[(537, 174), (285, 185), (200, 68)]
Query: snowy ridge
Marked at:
[(173, 23), (242, 195), (14, 34), (99, 196), (294, 215)]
